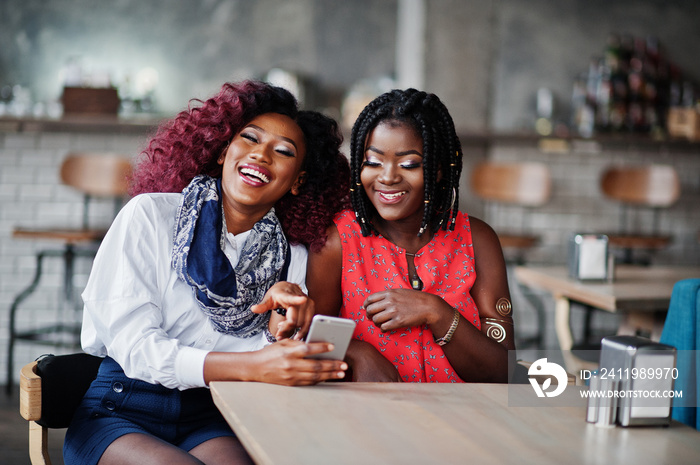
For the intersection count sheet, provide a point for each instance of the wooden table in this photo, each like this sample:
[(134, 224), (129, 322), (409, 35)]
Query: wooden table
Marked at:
[(397, 423), (637, 291)]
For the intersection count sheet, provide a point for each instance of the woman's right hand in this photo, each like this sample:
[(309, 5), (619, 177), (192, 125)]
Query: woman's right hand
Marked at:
[(284, 362), (299, 310), (369, 365)]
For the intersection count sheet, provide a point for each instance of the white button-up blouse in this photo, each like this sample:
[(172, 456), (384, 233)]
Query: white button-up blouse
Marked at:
[(140, 313)]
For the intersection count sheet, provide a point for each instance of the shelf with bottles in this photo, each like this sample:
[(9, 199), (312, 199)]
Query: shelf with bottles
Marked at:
[(630, 90)]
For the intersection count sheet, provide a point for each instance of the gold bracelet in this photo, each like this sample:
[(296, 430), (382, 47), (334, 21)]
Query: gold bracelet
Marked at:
[(448, 337)]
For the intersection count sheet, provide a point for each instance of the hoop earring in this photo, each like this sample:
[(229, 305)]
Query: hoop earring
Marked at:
[(452, 202)]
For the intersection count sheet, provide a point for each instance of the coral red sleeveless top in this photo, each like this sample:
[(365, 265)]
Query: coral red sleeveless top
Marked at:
[(372, 264)]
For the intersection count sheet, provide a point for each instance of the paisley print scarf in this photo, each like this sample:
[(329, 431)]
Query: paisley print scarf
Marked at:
[(225, 294)]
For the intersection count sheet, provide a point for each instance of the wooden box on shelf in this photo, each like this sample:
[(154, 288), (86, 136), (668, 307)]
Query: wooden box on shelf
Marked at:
[(684, 123), (90, 100)]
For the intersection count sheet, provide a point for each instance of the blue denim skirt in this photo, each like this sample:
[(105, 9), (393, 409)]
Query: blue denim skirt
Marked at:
[(115, 405)]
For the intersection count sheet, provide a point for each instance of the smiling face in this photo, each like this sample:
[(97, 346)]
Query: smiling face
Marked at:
[(392, 172), (262, 163)]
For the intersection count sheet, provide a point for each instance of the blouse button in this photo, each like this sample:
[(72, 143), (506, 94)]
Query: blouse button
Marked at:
[(118, 387), (109, 405), (208, 342)]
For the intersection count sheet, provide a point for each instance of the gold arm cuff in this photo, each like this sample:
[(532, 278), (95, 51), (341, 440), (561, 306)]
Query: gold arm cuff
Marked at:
[(496, 320), (504, 307)]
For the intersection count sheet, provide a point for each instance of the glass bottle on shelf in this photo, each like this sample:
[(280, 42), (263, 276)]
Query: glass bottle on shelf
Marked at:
[(603, 98), (583, 112)]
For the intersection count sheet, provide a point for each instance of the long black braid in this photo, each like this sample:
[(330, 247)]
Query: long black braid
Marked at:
[(442, 151)]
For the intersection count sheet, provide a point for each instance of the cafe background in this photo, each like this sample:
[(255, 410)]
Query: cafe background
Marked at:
[(488, 60)]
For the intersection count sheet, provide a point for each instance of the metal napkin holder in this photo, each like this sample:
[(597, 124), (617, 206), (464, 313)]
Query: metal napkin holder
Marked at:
[(589, 259), (635, 368)]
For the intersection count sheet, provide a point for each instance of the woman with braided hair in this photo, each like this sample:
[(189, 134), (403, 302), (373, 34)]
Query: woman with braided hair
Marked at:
[(228, 195), (425, 282)]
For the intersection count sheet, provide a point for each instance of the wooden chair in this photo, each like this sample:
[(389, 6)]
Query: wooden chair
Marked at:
[(102, 175), (650, 187), (523, 186), (50, 391)]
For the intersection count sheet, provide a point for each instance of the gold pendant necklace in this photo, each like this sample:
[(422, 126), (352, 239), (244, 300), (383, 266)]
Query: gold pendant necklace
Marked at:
[(416, 283), (413, 278)]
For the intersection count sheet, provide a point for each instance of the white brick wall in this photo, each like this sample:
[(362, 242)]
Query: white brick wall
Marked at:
[(31, 196)]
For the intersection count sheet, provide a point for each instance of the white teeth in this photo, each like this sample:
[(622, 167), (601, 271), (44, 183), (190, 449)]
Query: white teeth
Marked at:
[(393, 196), (255, 173)]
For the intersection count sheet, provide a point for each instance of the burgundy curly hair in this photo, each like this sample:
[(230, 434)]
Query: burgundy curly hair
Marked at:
[(191, 143)]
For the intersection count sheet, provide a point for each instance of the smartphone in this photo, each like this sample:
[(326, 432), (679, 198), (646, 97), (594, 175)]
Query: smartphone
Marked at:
[(337, 331)]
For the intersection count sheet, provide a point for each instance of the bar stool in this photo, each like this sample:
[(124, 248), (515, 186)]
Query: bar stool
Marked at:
[(524, 187), (638, 189), (95, 175)]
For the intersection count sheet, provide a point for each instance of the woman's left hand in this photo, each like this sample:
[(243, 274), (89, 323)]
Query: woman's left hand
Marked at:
[(402, 308), (299, 307)]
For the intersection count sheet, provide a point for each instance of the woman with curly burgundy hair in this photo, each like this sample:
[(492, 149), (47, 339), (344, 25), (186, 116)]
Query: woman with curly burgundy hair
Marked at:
[(189, 145), (226, 197)]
